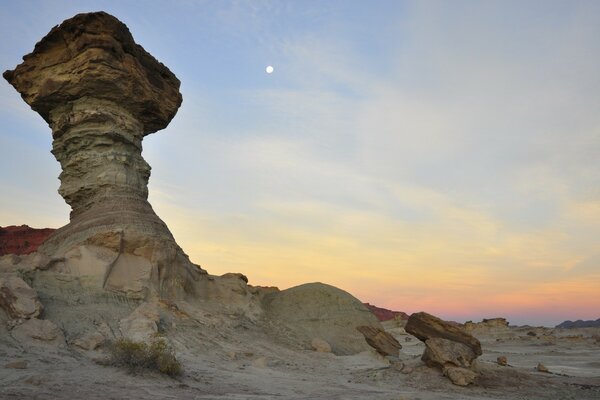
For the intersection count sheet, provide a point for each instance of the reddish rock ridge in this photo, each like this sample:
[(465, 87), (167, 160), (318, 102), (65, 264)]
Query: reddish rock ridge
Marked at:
[(22, 239), (383, 314)]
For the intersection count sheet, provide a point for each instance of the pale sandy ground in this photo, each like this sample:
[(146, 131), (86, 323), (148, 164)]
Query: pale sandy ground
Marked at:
[(231, 357)]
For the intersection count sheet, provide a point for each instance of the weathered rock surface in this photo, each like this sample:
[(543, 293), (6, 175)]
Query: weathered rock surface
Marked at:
[(142, 324), (18, 299), (36, 332), (101, 93), (319, 310), (440, 352), (22, 239), (426, 326), (94, 55), (460, 376), (380, 340)]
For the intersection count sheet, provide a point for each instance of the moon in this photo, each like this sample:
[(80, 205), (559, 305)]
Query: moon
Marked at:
[(269, 69)]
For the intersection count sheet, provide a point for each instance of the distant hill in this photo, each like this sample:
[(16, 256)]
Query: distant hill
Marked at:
[(383, 314), (580, 324), (22, 239)]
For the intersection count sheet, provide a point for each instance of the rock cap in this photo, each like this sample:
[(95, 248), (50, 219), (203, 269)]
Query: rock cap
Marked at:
[(94, 55)]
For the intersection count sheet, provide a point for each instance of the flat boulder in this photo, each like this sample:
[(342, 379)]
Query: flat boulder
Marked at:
[(425, 326)]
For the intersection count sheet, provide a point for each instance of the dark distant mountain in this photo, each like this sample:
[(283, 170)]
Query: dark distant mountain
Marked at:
[(580, 324)]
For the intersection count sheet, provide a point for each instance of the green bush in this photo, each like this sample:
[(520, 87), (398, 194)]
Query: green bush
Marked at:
[(156, 356)]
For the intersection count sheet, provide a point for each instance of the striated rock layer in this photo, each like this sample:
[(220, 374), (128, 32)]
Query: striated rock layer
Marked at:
[(22, 239), (101, 93)]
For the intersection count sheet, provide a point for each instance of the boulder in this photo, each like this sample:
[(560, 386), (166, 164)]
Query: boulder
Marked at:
[(425, 326), (502, 360), (18, 299), (447, 346), (380, 340), (443, 352), (319, 310)]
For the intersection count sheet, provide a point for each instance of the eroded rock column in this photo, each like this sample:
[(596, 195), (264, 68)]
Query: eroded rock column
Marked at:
[(101, 93)]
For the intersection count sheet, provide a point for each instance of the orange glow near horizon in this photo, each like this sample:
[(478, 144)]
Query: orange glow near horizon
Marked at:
[(480, 274)]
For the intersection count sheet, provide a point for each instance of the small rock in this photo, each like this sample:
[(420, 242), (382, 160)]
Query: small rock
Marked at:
[(542, 368), (89, 341), (260, 362), (395, 363), (531, 333), (20, 364), (502, 360), (232, 355), (36, 380), (320, 346), (460, 376), (407, 370)]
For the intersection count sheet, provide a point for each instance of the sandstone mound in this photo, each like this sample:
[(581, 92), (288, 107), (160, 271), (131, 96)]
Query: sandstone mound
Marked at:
[(317, 310)]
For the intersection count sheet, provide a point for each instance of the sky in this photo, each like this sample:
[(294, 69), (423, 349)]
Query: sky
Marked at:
[(424, 156)]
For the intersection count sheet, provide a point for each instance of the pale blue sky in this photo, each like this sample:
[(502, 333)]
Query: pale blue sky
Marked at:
[(419, 154)]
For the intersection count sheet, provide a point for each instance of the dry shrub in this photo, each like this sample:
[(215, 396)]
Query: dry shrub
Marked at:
[(156, 356)]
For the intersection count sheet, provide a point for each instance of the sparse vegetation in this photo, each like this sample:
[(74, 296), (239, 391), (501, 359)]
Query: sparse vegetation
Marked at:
[(156, 356)]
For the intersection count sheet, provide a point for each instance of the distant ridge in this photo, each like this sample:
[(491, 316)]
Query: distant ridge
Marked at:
[(22, 239), (383, 314), (580, 324)]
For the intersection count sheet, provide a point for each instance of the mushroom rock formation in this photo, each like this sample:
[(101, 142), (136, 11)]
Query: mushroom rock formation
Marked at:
[(101, 93)]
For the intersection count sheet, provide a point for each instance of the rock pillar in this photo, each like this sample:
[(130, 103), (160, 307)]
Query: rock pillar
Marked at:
[(101, 93)]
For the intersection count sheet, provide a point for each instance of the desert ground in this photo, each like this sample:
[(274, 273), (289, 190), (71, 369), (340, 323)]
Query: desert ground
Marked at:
[(242, 355)]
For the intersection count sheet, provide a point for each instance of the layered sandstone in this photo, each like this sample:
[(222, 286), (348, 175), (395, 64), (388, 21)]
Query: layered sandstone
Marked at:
[(101, 93)]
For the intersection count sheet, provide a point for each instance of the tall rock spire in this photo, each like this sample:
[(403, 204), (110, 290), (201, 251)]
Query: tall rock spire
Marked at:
[(101, 93)]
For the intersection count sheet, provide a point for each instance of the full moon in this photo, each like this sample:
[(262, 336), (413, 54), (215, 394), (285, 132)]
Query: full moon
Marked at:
[(269, 69)]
